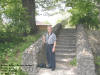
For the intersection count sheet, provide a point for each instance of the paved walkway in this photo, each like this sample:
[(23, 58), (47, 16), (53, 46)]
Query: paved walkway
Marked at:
[(44, 71)]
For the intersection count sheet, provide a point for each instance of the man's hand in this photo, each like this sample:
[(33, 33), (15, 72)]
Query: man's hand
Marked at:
[(53, 49), (43, 39)]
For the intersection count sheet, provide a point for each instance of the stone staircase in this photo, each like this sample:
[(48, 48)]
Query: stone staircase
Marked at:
[(66, 48), (65, 53)]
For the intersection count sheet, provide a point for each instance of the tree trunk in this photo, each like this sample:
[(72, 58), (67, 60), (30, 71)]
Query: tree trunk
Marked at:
[(30, 8)]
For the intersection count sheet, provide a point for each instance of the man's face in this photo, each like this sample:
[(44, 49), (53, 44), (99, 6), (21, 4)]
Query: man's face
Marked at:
[(49, 29)]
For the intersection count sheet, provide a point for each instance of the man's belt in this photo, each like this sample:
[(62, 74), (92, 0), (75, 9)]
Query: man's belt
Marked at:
[(49, 44)]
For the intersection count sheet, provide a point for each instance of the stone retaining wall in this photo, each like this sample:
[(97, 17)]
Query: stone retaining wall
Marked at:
[(85, 58), (94, 40), (32, 55)]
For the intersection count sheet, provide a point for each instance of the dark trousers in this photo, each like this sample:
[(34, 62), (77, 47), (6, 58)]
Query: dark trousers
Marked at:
[(50, 56)]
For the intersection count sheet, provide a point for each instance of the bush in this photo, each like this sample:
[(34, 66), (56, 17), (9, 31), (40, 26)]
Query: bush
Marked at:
[(85, 12)]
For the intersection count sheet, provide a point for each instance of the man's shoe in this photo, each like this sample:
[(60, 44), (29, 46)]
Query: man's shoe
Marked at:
[(48, 66), (52, 69)]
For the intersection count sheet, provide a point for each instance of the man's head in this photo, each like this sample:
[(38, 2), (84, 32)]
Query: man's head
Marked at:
[(49, 29)]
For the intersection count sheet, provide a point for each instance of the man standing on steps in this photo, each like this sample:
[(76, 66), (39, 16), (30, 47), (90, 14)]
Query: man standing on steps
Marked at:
[(50, 40)]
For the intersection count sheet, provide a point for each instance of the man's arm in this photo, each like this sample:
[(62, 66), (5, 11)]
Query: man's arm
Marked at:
[(43, 39), (54, 47)]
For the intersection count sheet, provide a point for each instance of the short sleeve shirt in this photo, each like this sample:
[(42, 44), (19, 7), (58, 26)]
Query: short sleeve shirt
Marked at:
[(50, 39)]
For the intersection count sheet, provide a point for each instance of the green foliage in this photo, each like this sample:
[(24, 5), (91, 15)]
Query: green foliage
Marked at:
[(11, 68), (11, 53), (97, 60), (15, 13), (73, 62), (84, 12), (15, 22), (58, 21), (98, 1), (65, 24)]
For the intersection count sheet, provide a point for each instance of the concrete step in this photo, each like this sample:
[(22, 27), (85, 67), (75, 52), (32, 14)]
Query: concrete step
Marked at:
[(68, 71), (66, 50), (65, 61), (61, 32), (62, 66), (68, 30), (66, 35), (60, 45), (65, 53), (66, 41), (66, 38), (65, 47), (66, 56), (66, 44)]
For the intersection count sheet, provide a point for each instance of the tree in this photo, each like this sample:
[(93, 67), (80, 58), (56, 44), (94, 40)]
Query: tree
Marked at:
[(14, 13), (30, 8), (84, 12)]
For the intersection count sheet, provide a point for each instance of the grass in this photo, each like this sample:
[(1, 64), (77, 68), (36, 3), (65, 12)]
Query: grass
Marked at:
[(97, 64), (97, 60), (11, 53), (73, 62)]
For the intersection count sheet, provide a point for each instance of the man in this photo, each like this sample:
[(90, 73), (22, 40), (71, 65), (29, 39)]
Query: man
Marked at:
[(50, 40)]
